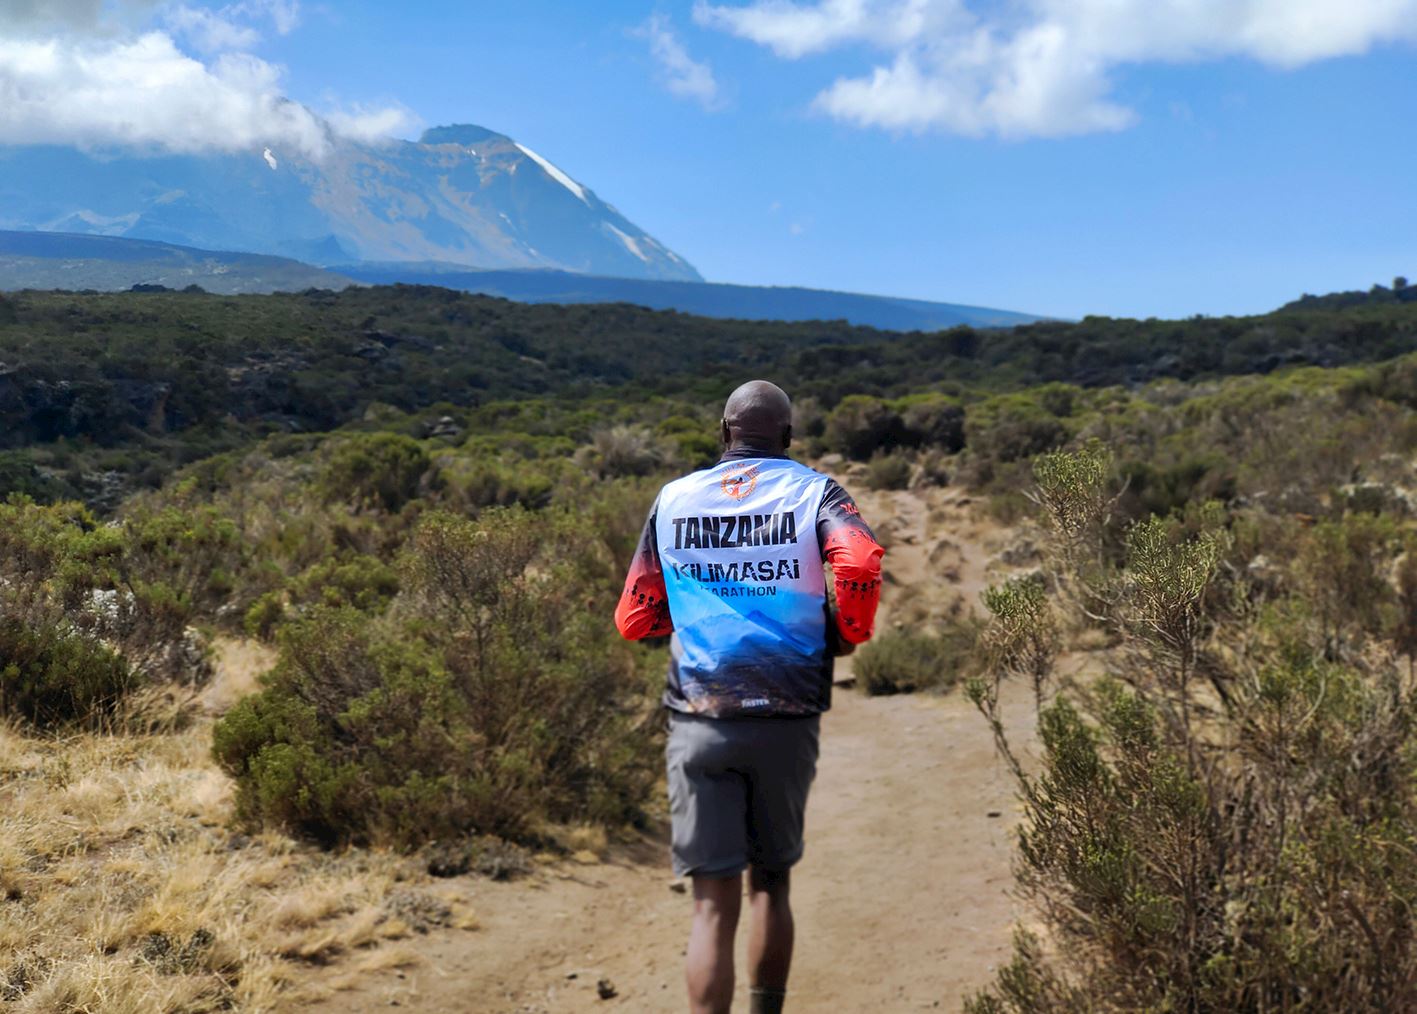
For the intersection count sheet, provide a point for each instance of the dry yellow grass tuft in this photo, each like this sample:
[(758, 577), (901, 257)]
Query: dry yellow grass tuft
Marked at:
[(122, 889)]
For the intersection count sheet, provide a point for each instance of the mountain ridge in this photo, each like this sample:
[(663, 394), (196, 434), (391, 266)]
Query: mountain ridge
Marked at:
[(723, 300), (461, 193), (49, 260)]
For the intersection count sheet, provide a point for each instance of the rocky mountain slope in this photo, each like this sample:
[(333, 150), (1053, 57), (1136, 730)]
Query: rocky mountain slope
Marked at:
[(462, 194)]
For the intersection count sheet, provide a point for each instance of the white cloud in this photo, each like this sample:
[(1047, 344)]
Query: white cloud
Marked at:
[(1042, 67), (682, 74), (91, 82), (233, 26), (211, 31), (793, 30), (366, 123), (284, 15)]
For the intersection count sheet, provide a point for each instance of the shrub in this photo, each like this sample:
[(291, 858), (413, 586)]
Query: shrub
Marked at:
[(934, 422), (888, 471), (904, 661), (494, 697), (861, 425), (376, 470), (357, 735), (621, 451), (499, 483), (1011, 428), (52, 676), (934, 468), (359, 581), (1212, 824), (18, 474), (265, 615)]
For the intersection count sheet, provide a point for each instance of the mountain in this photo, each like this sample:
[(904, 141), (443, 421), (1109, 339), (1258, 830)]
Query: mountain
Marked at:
[(707, 299), (48, 260), (462, 194)]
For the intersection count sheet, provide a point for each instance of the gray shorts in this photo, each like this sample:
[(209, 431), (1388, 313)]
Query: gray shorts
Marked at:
[(738, 791)]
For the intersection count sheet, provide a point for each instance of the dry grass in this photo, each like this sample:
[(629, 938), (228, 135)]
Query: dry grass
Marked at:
[(122, 889)]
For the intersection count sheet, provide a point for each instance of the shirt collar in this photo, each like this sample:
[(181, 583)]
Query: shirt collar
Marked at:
[(739, 453)]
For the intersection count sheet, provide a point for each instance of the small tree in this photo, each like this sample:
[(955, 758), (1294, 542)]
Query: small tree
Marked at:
[(1212, 823)]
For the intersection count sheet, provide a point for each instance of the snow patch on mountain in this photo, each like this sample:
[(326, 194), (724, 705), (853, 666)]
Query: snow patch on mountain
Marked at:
[(629, 242), (553, 172)]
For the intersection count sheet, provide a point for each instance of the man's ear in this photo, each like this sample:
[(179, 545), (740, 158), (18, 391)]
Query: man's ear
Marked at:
[(787, 436), (723, 433)]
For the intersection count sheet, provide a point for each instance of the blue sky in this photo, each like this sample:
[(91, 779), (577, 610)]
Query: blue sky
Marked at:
[(1069, 166)]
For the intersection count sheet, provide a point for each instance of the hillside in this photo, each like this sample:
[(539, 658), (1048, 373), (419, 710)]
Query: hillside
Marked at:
[(708, 299), (101, 392), (460, 193), (50, 260)]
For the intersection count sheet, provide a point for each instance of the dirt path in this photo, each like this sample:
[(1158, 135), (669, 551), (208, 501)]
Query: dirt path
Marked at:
[(902, 899)]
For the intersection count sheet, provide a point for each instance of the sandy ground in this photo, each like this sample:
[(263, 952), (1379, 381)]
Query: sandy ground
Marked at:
[(903, 900)]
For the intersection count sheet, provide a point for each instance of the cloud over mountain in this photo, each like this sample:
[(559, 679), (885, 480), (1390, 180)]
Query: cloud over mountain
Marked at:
[(79, 72)]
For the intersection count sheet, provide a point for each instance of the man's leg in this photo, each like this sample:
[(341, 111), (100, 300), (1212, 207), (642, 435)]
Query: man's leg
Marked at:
[(770, 945), (709, 969)]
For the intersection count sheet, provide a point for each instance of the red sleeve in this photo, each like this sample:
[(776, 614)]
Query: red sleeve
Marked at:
[(855, 557), (643, 610)]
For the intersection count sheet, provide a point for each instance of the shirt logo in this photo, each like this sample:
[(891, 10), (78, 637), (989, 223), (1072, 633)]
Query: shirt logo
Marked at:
[(740, 482)]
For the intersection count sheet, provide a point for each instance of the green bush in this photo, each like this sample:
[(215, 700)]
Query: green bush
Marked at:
[(1011, 428), (52, 676), (499, 483), (860, 426), (621, 451), (888, 471), (904, 661), (357, 735), (1212, 825), (378, 470), (359, 581), (933, 422), (265, 615), (498, 698)]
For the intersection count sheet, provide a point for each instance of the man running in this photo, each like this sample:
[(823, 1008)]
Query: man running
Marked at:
[(731, 563)]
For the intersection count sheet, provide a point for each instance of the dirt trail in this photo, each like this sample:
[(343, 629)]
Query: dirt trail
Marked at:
[(902, 899)]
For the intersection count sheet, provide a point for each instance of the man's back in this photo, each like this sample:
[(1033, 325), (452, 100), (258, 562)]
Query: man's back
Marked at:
[(732, 559), (731, 564)]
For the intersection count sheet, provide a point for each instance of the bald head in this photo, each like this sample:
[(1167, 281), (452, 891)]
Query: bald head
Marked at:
[(759, 415)]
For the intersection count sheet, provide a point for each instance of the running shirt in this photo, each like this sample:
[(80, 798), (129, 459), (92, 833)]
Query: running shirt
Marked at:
[(731, 565)]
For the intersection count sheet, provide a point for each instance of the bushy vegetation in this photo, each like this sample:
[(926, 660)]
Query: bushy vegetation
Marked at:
[(902, 661), (90, 611), (105, 394), (1216, 822), (493, 697), (51, 675), (426, 500)]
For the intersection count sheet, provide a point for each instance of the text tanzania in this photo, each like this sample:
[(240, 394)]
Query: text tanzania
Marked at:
[(728, 531)]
